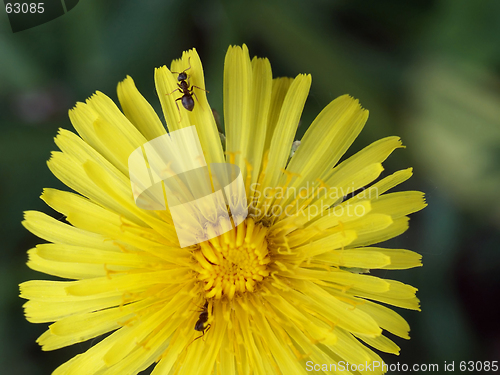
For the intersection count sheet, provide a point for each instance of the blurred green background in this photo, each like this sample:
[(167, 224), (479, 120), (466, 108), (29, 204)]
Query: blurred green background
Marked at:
[(428, 71)]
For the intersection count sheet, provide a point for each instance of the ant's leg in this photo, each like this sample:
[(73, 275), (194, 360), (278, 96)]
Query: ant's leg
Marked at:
[(192, 93), (199, 337), (199, 88), (178, 109), (206, 329), (201, 308), (177, 89)]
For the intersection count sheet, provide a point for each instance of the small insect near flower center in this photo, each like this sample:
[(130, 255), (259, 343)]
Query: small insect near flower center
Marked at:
[(235, 261)]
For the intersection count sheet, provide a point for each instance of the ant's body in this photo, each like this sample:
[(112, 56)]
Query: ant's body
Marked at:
[(186, 90), (201, 325), (202, 319)]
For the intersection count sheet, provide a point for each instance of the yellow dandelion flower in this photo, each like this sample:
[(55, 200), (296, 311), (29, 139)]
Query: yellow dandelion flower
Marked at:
[(283, 292)]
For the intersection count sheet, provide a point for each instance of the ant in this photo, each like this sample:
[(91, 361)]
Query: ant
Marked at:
[(201, 325), (186, 91)]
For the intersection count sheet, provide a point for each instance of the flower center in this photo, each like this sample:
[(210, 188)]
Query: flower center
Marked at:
[(235, 261)]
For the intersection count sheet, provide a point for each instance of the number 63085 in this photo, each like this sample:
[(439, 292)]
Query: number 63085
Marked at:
[(24, 8)]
